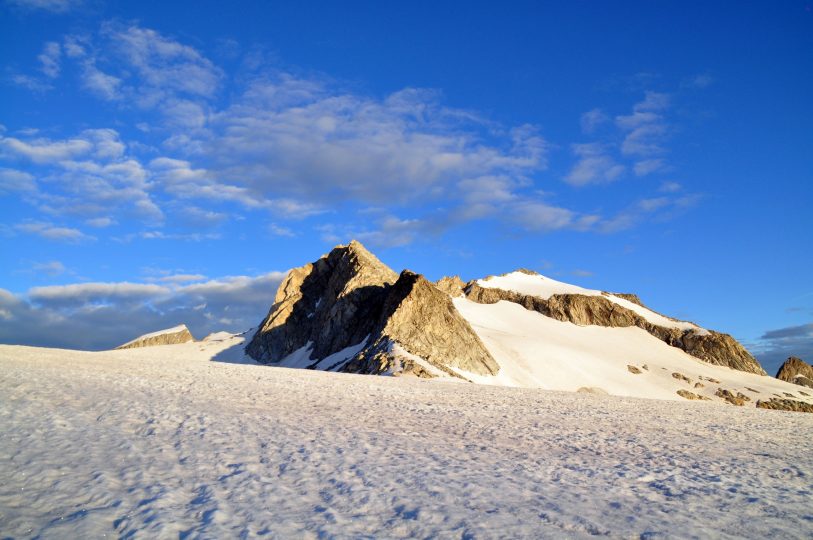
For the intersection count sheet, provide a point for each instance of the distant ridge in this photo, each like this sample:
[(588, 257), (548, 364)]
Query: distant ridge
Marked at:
[(169, 336)]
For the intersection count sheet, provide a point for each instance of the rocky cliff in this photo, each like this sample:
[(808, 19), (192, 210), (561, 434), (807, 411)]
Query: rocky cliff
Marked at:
[(170, 336), (797, 371), (349, 300)]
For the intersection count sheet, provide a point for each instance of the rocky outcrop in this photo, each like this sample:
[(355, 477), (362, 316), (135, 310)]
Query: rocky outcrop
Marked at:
[(685, 394), (170, 336), (712, 347), (453, 286), (796, 371), (780, 404), (349, 296), (631, 297)]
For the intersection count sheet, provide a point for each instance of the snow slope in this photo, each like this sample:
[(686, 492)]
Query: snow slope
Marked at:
[(536, 351), (164, 442), (545, 287)]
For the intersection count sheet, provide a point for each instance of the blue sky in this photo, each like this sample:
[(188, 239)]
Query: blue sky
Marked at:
[(166, 163)]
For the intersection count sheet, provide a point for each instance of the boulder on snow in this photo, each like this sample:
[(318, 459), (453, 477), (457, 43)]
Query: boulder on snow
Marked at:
[(169, 336)]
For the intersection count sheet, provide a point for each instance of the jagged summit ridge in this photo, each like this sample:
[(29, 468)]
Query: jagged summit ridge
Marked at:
[(351, 308)]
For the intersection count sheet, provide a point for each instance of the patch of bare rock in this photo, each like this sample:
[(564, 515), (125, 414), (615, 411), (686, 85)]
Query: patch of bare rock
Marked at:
[(739, 399)]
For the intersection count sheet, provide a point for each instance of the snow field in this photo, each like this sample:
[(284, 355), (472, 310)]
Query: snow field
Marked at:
[(165, 442)]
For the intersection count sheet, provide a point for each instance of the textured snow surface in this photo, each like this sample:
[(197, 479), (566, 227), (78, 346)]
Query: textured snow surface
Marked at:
[(545, 287), (536, 351), (164, 442)]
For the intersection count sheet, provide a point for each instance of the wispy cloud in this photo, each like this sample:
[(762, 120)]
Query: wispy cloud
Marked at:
[(14, 181), (50, 59), (648, 166), (54, 6), (646, 127), (52, 232), (592, 119), (594, 166), (50, 268)]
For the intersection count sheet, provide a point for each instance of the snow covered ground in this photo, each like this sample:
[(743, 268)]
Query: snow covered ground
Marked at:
[(186, 441), (535, 351)]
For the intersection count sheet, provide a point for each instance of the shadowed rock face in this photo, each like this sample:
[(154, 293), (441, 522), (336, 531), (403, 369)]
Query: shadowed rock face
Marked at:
[(422, 318), (181, 334), (333, 303), (714, 347), (796, 371), (348, 296)]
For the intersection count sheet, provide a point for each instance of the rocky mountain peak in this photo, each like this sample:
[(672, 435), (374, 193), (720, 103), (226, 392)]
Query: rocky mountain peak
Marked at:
[(349, 297), (331, 304), (797, 371)]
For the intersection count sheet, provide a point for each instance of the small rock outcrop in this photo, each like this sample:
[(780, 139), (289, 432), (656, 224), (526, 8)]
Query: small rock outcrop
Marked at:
[(737, 399), (797, 371), (712, 347), (780, 404), (407, 324), (453, 286), (170, 336)]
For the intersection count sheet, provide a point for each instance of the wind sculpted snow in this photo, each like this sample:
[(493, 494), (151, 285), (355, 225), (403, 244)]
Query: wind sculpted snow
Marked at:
[(164, 442)]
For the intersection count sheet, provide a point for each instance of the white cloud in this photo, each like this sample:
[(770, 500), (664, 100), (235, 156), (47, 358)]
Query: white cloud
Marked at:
[(594, 166), (391, 232), (670, 187), (646, 127), (278, 230), (52, 232), (88, 175), (43, 150), (14, 181), (193, 215), (54, 6), (591, 120), (28, 82), (300, 139), (101, 222), (51, 268), (101, 84), (84, 293), (648, 166), (50, 59), (655, 208)]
